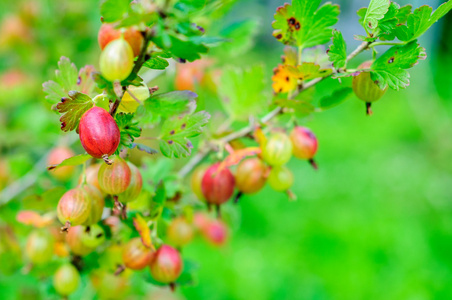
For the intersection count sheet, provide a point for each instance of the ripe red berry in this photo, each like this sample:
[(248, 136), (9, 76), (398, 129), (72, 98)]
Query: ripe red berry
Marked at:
[(114, 179), (135, 185), (365, 88), (97, 204), (99, 133), (116, 60), (74, 239), (277, 151), (251, 175), (74, 207), (56, 156), (40, 245), (217, 187), (180, 232), (135, 255), (66, 279), (304, 144), (166, 266), (215, 232), (108, 33)]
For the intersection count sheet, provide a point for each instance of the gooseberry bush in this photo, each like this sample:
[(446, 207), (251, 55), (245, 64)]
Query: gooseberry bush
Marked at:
[(124, 214)]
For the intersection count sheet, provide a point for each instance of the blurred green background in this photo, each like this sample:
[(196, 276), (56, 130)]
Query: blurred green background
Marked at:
[(374, 222)]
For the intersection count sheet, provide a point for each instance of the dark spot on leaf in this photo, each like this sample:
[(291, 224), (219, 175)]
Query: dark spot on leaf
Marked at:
[(182, 60), (189, 144), (280, 90), (200, 28), (297, 26), (183, 126), (291, 21), (279, 36), (287, 78), (172, 132), (79, 80), (327, 51), (370, 25), (170, 142), (391, 60)]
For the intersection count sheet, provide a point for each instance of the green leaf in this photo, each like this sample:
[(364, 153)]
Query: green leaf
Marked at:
[(176, 131), (243, 91), (66, 80), (420, 20), (336, 98), (72, 161), (114, 10), (144, 148), (240, 37), (308, 70), (338, 50), (73, 108), (158, 201), (167, 105), (44, 201), (375, 12), (128, 129), (156, 63), (389, 68), (304, 24), (179, 48)]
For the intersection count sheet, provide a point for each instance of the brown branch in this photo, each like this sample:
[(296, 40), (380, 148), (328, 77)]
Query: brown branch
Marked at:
[(195, 160)]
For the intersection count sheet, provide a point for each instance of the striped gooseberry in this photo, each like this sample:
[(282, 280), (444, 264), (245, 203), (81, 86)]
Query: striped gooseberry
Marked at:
[(74, 207), (136, 255), (277, 150), (166, 265), (66, 279)]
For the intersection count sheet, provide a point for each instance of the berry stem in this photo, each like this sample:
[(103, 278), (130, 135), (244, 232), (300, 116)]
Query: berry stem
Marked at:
[(172, 287), (106, 160), (66, 227), (218, 209), (313, 164), (237, 197), (368, 109), (120, 269)]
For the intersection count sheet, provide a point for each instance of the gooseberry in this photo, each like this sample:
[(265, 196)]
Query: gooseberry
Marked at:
[(116, 60), (66, 279), (114, 179), (180, 232), (134, 189), (136, 255), (217, 186), (251, 175), (97, 204), (215, 232), (304, 144), (99, 133), (365, 88), (277, 150), (166, 266), (40, 246), (74, 240), (74, 207), (280, 178), (196, 179), (108, 33)]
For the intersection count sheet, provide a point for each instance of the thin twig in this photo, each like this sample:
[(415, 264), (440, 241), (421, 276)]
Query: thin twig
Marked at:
[(195, 160)]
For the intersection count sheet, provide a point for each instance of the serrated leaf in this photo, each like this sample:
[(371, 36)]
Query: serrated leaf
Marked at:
[(85, 80), (72, 108), (389, 68), (128, 129), (156, 63), (304, 23), (307, 71), (375, 12), (338, 50), (71, 161), (336, 98), (143, 229), (66, 77), (243, 91), (284, 79), (144, 148), (420, 20), (187, 50), (167, 105), (114, 10), (174, 140)]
